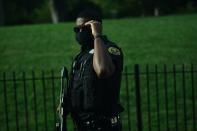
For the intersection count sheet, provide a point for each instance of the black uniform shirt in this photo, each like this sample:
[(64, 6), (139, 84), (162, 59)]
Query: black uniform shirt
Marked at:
[(87, 92)]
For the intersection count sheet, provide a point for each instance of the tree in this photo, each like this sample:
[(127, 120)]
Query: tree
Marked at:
[(54, 13), (58, 10), (20, 11), (2, 19), (118, 8), (130, 8), (76, 6), (64, 10), (157, 7)]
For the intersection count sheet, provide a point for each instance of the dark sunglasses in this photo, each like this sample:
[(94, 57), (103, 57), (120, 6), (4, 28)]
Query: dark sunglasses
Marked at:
[(77, 29)]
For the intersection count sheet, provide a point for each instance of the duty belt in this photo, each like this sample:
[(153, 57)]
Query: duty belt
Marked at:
[(112, 120), (99, 122)]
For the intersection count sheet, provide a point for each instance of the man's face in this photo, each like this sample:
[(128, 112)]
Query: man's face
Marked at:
[(80, 24), (83, 33)]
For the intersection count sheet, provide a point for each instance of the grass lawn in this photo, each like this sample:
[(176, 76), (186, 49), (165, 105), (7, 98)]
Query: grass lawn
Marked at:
[(159, 40), (149, 40)]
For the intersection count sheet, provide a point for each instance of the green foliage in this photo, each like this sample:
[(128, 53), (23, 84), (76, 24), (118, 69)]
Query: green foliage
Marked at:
[(37, 11), (41, 14), (20, 11), (76, 6), (118, 8), (130, 8)]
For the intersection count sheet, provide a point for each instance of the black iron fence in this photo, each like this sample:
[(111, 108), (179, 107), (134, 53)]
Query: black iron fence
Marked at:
[(155, 98)]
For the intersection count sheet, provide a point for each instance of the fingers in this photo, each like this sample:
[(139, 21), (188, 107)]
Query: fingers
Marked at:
[(91, 22), (95, 27)]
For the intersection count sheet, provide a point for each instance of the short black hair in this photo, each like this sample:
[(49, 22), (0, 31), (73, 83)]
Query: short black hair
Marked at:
[(91, 15)]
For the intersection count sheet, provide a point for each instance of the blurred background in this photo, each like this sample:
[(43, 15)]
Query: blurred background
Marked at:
[(15, 12), (37, 39)]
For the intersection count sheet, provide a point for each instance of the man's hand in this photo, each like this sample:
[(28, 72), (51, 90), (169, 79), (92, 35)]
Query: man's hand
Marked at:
[(102, 62), (96, 27)]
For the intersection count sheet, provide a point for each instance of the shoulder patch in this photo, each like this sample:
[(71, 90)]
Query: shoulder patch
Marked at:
[(114, 50)]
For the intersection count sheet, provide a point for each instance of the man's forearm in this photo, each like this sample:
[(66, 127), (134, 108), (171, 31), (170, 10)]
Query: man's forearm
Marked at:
[(102, 61)]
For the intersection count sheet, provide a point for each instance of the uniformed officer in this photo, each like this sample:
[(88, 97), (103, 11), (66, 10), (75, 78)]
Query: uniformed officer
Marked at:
[(95, 77)]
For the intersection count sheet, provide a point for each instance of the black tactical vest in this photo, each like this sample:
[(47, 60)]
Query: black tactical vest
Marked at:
[(87, 92)]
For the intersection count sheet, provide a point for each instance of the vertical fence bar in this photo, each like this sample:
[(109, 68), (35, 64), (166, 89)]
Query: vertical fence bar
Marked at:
[(138, 97), (35, 100), (157, 97), (128, 99), (148, 97), (5, 101), (166, 96), (184, 97), (44, 98), (193, 98), (53, 94), (175, 97), (16, 101), (26, 107)]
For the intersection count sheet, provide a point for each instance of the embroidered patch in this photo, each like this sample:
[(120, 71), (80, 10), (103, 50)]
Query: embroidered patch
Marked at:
[(114, 50)]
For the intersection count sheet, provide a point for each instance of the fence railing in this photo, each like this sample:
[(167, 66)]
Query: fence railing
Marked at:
[(154, 97)]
